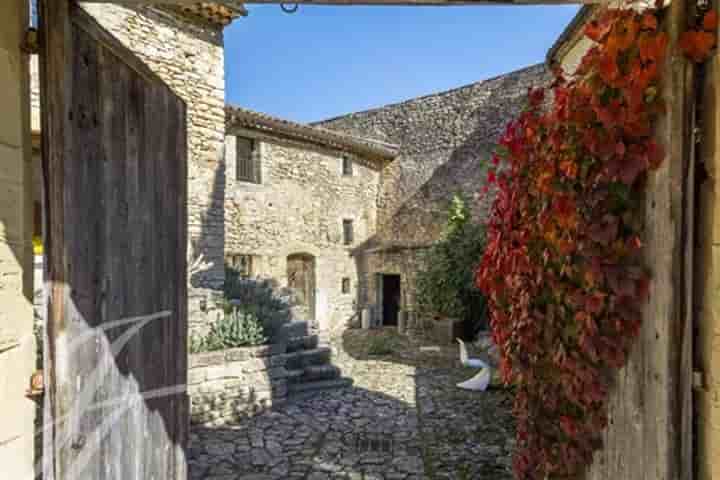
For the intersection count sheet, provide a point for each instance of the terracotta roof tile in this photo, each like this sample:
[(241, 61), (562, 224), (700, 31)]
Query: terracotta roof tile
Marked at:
[(241, 117)]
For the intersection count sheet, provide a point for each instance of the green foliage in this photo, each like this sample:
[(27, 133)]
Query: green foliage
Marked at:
[(381, 345), (257, 297), (234, 329), (446, 286)]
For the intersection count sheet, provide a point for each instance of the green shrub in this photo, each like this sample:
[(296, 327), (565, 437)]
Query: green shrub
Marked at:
[(381, 345), (446, 286), (256, 296), (234, 329)]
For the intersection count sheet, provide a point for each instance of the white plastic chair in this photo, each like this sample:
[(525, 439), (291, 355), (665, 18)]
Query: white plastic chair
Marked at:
[(479, 382)]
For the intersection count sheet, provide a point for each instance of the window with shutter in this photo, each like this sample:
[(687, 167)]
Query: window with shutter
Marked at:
[(348, 233), (248, 163)]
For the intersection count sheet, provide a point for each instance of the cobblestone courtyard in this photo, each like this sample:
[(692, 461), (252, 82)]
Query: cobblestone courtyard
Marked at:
[(403, 419)]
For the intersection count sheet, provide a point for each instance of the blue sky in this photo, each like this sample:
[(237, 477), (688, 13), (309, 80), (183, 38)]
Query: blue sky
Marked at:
[(326, 61)]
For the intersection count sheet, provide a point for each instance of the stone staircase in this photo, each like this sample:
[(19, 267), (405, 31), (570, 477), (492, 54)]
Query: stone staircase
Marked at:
[(308, 362)]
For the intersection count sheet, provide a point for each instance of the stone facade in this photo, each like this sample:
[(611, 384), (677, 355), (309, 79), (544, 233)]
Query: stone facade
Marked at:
[(187, 52), (446, 142), (298, 210), (227, 386), (17, 342)]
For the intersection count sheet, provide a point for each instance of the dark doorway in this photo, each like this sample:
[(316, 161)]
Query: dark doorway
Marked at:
[(391, 299)]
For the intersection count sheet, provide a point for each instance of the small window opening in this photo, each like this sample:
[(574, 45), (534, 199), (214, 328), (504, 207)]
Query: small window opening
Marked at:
[(346, 285), (348, 233), (347, 166)]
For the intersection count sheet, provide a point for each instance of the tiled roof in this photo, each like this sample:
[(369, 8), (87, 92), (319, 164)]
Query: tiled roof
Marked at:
[(241, 117)]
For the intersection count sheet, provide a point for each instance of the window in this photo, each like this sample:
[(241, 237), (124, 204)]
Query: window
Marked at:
[(347, 165), (242, 263), (346, 285), (248, 162), (348, 237)]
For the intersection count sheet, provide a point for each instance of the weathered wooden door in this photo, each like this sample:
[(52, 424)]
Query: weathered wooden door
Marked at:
[(301, 280), (115, 154)]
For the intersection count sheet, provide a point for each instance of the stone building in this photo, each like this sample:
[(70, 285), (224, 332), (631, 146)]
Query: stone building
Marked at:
[(185, 47), (387, 174), (445, 143), (299, 200)]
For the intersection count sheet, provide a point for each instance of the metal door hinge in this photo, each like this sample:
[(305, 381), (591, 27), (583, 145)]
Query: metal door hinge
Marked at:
[(697, 135), (30, 44), (699, 381)]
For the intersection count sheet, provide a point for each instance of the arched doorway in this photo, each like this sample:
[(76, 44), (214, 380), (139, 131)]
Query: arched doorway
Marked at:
[(301, 281)]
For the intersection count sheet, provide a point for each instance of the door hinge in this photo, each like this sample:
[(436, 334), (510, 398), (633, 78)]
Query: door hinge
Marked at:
[(697, 135), (30, 43), (698, 380)]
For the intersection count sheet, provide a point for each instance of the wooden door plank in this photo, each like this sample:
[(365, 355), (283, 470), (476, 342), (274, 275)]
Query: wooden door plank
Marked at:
[(116, 164), (649, 435)]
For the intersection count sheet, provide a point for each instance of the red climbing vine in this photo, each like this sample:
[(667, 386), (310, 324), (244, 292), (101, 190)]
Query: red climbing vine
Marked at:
[(562, 270)]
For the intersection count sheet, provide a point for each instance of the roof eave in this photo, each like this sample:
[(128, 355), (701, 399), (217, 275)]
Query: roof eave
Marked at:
[(570, 32), (304, 133)]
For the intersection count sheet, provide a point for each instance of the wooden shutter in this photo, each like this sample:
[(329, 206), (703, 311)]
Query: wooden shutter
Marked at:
[(248, 160)]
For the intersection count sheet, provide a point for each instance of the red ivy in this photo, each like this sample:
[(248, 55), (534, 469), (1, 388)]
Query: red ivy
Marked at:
[(698, 42), (562, 270)]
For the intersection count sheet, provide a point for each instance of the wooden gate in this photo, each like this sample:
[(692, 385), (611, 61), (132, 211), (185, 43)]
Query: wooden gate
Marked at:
[(115, 153)]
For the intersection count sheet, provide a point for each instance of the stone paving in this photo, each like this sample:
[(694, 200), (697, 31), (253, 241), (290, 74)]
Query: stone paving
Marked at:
[(402, 420)]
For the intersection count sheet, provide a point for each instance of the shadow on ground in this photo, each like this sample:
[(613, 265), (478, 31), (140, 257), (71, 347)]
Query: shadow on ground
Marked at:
[(403, 419)]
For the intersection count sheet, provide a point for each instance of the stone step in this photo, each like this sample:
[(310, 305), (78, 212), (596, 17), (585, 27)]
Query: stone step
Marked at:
[(302, 389), (308, 342), (313, 373), (293, 330), (306, 358)]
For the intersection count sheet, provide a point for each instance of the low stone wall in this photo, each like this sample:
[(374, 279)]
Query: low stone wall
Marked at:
[(230, 385)]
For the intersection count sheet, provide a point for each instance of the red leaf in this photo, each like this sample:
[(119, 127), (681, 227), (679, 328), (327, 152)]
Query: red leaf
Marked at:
[(649, 21), (605, 231), (655, 154), (568, 426), (491, 177), (697, 45), (710, 20), (653, 47), (597, 30)]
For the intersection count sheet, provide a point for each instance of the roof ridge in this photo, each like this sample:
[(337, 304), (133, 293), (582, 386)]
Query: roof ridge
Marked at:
[(434, 94)]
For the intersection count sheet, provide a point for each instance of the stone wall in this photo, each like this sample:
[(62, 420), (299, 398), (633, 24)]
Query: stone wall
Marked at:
[(230, 385), (17, 342), (188, 54), (446, 141), (299, 208)]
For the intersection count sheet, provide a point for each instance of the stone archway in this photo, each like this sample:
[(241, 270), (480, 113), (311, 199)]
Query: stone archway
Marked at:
[(302, 282)]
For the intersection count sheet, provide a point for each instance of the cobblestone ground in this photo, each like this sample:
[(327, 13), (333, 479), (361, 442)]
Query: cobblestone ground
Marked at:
[(404, 419)]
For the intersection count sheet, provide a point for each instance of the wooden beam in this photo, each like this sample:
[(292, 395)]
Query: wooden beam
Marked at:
[(415, 3)]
